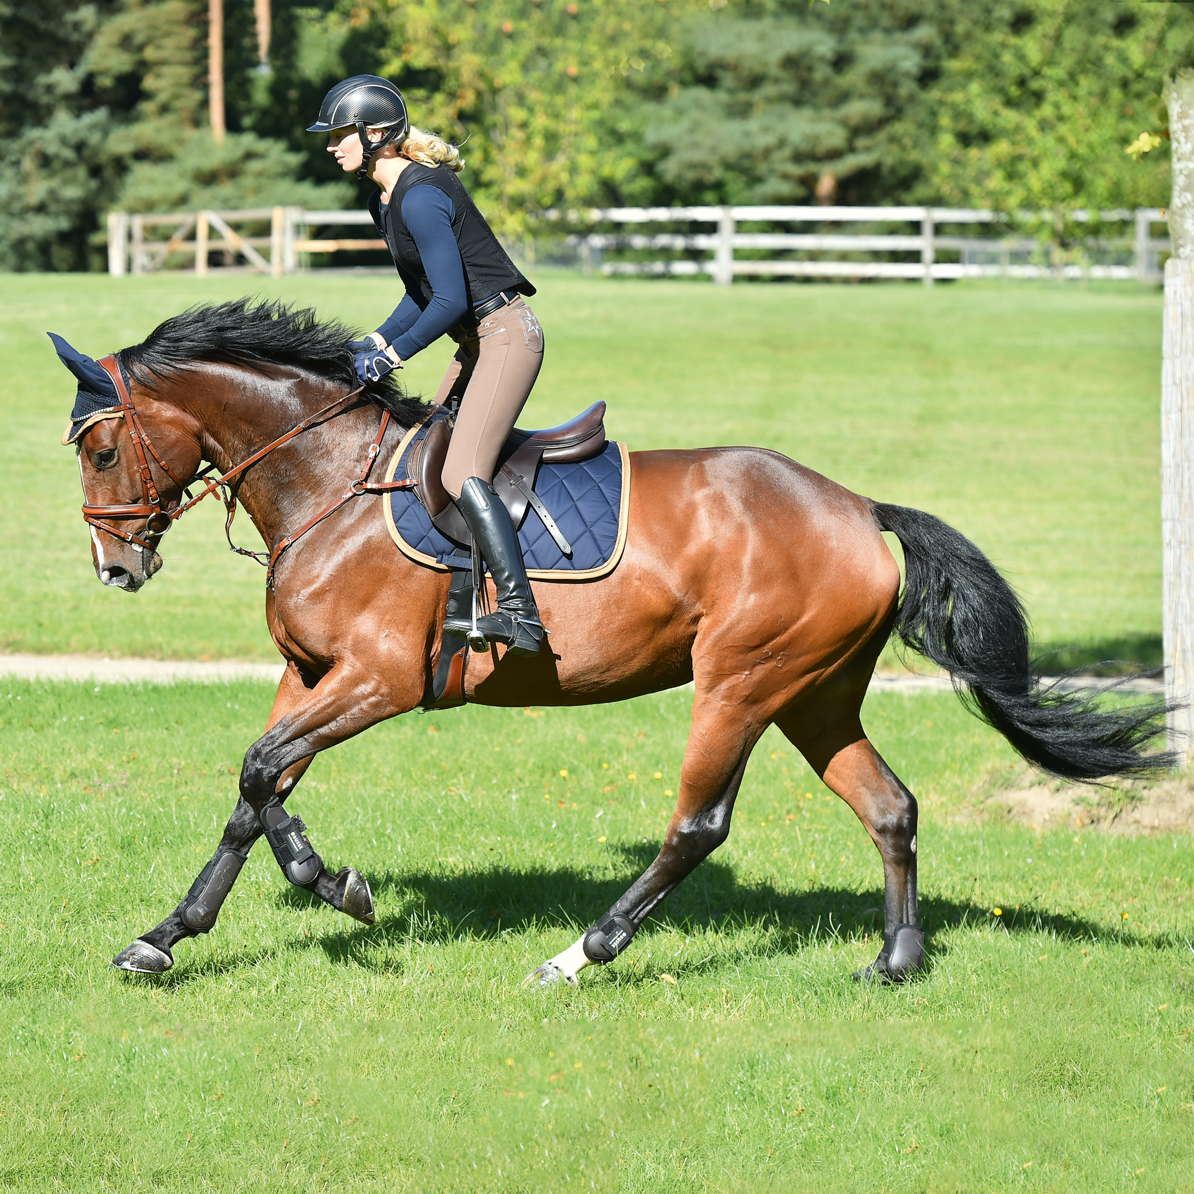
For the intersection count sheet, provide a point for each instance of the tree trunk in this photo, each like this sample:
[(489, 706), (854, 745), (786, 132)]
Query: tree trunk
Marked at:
[(825, 190), (1177, 421), (261, 9), (215, 66)]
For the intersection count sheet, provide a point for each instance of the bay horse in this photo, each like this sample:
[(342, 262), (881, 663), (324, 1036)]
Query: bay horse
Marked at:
[(766, 585)]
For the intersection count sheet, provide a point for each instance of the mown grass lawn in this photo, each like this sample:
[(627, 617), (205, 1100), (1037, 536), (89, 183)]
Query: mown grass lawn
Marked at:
[(1048, 1048), (1026, 415)]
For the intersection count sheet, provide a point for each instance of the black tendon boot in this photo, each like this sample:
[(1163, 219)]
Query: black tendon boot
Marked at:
[(516, 619)]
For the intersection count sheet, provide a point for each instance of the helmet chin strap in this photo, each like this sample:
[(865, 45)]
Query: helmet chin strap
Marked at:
[(370, 148)]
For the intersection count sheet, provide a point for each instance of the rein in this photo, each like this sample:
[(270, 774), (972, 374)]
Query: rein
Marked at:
[(160, 516)]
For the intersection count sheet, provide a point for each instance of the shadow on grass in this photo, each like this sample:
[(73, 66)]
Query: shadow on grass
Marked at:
[(436, 908), (1117, 655), (431, 908)]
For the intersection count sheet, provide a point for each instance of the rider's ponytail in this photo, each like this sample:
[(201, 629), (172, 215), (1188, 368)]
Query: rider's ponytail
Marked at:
[(429, 150)]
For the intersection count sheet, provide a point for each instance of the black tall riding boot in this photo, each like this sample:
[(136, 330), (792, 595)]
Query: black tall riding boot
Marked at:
[(516, 619)]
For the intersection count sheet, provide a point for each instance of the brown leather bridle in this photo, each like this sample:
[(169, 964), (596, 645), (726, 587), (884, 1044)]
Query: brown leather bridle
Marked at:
[(160, 516)]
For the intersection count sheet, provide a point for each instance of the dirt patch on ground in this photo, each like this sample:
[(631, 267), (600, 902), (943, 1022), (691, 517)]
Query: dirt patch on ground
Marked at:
[(1166, 807)]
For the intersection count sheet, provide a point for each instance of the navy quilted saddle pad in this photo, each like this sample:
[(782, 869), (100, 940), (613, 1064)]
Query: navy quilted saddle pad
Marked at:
[(588, 500)]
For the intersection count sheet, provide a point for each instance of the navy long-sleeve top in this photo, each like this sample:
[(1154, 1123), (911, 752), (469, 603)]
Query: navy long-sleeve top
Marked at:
[(428, 212)]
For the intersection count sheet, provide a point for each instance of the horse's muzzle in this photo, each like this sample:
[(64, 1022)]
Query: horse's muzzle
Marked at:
[(117, 576)]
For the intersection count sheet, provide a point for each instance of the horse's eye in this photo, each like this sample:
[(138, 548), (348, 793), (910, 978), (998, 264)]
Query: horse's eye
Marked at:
[(105, 458)]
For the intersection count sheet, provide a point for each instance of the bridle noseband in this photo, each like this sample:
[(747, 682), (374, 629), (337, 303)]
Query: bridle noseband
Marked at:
[(160, 516)]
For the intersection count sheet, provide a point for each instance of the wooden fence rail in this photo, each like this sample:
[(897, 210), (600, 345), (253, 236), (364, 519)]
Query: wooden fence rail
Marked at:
[(919, 243)]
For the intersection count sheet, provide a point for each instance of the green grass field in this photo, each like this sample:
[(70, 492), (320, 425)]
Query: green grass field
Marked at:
[(1048, 1049), (1025, 415)]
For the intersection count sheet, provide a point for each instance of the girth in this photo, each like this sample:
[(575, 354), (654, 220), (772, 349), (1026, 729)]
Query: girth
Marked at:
[(578, 439)]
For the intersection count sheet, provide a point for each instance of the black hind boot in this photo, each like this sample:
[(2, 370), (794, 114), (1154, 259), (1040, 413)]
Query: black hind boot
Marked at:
[(515, 622)]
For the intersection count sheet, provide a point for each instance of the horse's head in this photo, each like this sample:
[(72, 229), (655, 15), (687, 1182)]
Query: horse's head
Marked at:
[(134, 462)]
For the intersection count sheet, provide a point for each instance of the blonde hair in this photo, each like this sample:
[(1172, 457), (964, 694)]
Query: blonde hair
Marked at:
[(430, 150)]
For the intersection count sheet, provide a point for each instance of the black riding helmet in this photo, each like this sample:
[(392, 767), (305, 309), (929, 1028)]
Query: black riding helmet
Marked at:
[(368, 102)]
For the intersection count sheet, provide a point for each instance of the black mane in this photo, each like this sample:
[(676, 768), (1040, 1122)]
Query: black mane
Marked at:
[(252, 334)]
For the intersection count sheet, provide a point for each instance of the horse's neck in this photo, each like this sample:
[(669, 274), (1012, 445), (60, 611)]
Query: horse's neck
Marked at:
[(242, 412)]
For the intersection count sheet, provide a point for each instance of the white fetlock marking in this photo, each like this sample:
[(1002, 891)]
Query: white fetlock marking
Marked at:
[(572, 961)]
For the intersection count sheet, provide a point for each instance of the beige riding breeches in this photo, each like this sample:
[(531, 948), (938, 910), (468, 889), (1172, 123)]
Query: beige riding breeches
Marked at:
[(490, 376)]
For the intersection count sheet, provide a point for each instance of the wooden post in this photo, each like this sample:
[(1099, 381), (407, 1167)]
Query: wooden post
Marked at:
[(1177, 421), (118, 243), (201, 237), (723, 260), (928, 250), (277, 239), (137, 244), (290, 258)]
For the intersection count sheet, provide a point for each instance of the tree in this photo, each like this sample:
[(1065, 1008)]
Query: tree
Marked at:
[(544, 99), (1034, 110), (784, 102), (105, 105), (54, 126)]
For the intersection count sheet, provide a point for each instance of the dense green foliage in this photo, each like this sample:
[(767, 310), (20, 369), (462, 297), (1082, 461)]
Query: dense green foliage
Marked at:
[(726, 1052), (1012, 104), (1039, 102), (786, 101)]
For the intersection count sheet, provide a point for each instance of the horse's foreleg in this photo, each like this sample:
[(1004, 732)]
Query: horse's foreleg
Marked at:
[(344, 703), (850, 766), (719, 745), (198, 909), (197, 912), (346, 891)]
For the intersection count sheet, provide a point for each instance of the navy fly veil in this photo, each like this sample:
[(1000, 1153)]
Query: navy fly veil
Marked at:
[(588, 500), (96, 393)]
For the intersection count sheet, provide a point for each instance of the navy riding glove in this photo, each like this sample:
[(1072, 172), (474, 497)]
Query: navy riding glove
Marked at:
[(372, 359)]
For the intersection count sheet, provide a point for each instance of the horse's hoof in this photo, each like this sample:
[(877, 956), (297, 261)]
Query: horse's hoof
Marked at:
[(355, 897), (143, 958), (548, 975), (901, 957)]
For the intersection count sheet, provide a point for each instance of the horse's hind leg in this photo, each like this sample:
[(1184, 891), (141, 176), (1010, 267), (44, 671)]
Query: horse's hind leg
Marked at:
[(844, 758), (719, 744)]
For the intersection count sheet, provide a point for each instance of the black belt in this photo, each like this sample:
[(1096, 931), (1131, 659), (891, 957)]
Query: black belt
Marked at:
[(495, 302)]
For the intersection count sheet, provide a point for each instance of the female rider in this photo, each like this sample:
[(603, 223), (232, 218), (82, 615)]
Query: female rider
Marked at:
[(458, 280)]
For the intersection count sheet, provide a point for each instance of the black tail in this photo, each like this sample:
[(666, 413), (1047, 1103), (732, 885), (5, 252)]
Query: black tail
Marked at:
[(960, 613)]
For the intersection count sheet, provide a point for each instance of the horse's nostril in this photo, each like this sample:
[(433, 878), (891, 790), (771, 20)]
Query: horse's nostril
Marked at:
[(116, 576)]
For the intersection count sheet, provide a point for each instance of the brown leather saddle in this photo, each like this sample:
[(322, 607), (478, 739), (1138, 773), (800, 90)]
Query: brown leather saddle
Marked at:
[(579, 439)]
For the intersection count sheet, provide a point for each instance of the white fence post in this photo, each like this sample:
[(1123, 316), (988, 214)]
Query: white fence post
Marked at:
[(723, 259), (1141, 254), (927, 246), (137, 244), (277, 239), (118, 243)]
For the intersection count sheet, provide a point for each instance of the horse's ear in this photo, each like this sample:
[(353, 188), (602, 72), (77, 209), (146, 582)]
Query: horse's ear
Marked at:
[(87, 371), (96, 392)]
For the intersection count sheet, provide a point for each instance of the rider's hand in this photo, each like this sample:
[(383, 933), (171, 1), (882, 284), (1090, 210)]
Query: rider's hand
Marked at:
[(373, 358)]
